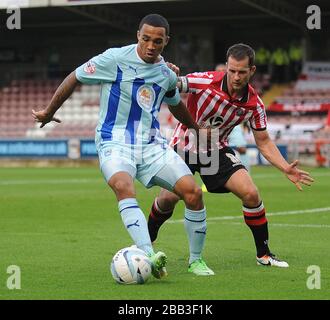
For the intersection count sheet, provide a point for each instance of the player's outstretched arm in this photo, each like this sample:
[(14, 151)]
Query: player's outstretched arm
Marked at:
[(62, 93), (270, 151)]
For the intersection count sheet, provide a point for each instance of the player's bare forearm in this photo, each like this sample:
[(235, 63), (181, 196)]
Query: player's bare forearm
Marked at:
[(62, 93), (270, 151), (181, 113), (273, 155)]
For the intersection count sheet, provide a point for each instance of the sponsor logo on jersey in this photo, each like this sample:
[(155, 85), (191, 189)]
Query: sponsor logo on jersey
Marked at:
[(90, 67), (132, 69), (145, 97), (215, 121)]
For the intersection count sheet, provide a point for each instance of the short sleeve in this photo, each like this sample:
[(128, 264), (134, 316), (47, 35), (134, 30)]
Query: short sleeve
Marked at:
[(101, 68), (199, 81), (258, 121), (172, 96)]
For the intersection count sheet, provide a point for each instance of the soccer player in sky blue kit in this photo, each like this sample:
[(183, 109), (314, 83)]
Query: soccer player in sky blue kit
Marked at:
[(134, 81)]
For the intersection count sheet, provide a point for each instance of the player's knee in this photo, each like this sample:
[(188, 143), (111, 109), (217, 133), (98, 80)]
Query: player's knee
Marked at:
[(251, 197), (122, 187), (194, 198), (167, 202)]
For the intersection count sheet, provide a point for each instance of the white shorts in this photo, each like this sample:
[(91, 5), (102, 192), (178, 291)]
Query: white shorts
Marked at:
[(150, 164)]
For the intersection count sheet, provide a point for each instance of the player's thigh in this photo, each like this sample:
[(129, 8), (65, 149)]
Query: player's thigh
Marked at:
[(115, 165), (227, 165), (115, 158), (175, 176), (170, 174), (241, 184), (118, 171), (165, 172)]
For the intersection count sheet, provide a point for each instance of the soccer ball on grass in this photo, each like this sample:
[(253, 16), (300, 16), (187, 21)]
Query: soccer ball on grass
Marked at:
[(131, 266)]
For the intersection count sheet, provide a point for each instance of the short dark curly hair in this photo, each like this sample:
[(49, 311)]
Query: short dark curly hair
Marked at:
[(240, 51), (155, 20)]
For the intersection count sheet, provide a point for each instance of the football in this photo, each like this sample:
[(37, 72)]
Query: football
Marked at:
[(131, 266)]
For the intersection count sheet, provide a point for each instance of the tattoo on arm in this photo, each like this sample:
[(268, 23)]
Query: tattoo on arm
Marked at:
[(62, 93)]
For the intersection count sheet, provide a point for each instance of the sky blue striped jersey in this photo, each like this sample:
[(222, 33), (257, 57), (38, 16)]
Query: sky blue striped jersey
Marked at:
[(131, 95)]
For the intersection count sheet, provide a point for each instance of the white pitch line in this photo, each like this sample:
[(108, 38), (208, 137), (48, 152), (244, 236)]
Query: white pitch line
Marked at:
[(280, 213), (42, 182), (88, 180), (289, 225), (278, 175)]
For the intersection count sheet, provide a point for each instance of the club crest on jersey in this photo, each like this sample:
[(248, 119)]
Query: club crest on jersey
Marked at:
[(145, 97), (240, 112), (90, 67)]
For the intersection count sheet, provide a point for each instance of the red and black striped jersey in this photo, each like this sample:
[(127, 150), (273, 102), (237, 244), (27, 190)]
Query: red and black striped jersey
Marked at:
[(211, 106)]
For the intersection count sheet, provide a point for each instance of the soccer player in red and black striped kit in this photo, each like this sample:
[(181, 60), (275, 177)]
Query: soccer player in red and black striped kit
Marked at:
[(221, 101)]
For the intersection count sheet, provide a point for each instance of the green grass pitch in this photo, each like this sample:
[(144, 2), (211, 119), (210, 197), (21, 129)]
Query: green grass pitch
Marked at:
[(61, 226)]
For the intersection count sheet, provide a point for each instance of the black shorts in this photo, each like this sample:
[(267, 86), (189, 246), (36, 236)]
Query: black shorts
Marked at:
[(215, 168)]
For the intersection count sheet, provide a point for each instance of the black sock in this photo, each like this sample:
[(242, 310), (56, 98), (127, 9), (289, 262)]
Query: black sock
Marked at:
[(156, 219), (260, 234), (256, 220)]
